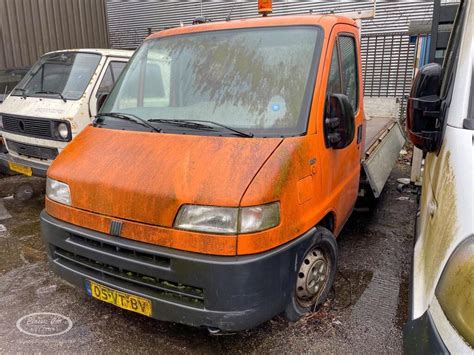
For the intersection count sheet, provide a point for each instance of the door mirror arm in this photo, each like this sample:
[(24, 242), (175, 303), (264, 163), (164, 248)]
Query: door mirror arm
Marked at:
[(101, 98)]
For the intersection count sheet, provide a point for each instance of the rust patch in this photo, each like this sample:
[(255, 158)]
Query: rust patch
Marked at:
[(442, 227)]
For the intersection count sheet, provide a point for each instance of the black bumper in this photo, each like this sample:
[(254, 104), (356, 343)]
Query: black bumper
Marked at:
[(420, 336), (229, 293), (36, 168)]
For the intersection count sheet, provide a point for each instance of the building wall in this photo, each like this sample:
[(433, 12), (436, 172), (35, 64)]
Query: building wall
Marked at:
[(30, 28), (129, 20)]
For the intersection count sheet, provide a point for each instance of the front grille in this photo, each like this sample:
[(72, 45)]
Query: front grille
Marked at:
[(35, 127), (120, 251), (33, 151), (147, 284)]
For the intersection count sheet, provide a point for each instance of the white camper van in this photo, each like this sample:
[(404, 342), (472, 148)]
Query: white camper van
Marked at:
[(440, 121), (58, 97)]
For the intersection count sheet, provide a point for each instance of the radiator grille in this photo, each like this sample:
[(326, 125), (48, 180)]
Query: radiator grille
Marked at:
[(34, 127), (149, 284)]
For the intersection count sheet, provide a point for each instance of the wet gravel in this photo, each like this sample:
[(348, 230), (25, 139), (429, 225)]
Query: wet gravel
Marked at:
[(364, 314)]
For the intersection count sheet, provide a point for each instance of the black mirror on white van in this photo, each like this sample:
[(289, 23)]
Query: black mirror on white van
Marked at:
[(339, 121), (101, 100), (2, 97), (423, 108)]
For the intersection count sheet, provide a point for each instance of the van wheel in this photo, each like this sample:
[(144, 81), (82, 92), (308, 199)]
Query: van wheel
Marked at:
[(315, 276)]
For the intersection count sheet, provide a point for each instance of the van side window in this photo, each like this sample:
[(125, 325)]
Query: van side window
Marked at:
[(110, 77), (347, 48)]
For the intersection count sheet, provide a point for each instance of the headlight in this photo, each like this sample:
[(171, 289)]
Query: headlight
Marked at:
[(455, 290), (61, 130), (228, 220), (58, 191)]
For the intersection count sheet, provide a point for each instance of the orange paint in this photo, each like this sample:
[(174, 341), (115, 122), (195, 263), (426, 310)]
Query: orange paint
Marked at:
[(172, 238), (264, 6), (144, 178)]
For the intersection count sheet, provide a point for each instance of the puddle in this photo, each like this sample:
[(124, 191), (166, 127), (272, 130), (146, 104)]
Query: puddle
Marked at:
[(349, 286), (402, 307), (21, 242)]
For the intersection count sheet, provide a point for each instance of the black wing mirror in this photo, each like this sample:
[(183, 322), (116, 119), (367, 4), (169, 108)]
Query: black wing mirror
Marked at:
[(2, 97), (423, 108), (101, 99), (339, 121)]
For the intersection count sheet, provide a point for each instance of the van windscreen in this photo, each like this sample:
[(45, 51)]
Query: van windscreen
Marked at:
[(257, 80), (59, 75)]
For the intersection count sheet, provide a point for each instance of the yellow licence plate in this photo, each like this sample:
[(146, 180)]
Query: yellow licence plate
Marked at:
[(25, 170), (120, 299)]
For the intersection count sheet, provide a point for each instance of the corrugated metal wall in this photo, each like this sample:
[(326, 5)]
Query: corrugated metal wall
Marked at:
[(30, 28), (387, 51), (129, 20)]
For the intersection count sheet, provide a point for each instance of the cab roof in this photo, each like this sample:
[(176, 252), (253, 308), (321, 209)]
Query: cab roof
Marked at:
[(325, 21), (101, 51)]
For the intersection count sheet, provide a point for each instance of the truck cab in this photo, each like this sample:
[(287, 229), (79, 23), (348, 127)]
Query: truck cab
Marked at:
[(440, 121), (56, 99), (212, 186)]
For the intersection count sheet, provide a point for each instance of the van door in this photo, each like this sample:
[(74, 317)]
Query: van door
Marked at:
[(344, 78), (111, 72)]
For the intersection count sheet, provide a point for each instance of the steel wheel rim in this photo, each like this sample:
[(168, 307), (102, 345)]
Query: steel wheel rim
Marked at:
[(312, 277)]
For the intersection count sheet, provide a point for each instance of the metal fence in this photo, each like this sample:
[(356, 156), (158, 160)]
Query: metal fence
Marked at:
[(388, 66)]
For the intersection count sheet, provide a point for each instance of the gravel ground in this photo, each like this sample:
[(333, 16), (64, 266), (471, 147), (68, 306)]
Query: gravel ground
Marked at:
[(365, 313)]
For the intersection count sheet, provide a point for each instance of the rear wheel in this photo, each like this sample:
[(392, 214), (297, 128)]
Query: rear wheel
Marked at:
[(315, 275)]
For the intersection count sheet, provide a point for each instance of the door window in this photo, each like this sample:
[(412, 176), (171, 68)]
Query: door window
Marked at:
[(110, 77), (347, 49), (334, 82)]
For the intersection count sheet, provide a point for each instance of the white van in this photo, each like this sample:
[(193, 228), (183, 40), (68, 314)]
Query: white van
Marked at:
[(56, 99), (440, 121)]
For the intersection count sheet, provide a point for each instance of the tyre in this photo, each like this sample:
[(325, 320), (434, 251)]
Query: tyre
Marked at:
[(315, 275)]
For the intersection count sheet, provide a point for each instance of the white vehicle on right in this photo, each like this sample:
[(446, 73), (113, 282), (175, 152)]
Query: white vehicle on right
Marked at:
[(440, 121)]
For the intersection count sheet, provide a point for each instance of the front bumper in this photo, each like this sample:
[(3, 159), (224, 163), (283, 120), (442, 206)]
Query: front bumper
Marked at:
[(420, 336), (36, 168), (229, 293)]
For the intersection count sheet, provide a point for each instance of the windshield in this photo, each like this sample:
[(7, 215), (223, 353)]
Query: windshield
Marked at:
[(257, 80), (59, 75)]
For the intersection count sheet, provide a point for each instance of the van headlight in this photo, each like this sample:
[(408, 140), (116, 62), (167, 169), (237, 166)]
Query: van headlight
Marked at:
[(62, 130), (455, 290), (228, 220), (58, 191)]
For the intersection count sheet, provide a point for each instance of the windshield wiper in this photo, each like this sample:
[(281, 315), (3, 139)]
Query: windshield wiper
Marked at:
[(52, 93), (201, 124), (129, 117)]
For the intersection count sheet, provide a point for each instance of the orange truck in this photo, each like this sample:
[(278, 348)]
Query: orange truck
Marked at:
[(211, 187)]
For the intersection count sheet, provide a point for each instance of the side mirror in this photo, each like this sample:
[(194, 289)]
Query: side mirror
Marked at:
[(423, 108), (101, 99), (2, 97), (339, 121)]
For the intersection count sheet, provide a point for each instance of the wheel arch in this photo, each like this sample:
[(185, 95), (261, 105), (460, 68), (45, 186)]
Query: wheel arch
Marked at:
[(328, 221)]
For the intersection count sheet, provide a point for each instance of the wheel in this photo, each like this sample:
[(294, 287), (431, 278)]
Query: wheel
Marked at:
[(315, 276)]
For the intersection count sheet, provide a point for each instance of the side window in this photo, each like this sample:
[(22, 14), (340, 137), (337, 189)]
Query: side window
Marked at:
[(110, 77), (347, 48)]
